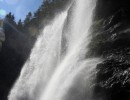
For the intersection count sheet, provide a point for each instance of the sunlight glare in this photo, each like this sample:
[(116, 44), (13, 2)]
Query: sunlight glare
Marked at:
[(2, 12)]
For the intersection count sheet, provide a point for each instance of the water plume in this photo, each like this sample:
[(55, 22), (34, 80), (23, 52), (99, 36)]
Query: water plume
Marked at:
[(50, 75)]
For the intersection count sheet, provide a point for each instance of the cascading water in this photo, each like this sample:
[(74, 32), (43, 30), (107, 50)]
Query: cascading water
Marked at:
[(49, 75)]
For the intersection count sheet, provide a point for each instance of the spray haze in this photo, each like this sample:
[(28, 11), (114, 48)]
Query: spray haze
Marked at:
[(49, 76)]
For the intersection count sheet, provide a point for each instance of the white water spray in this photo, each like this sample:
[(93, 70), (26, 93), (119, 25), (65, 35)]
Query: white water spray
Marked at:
[(49, 76)]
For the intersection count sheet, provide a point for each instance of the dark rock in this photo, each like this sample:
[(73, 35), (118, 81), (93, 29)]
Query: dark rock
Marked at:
[(110, 33), (111, 41), (113, 79), (106, 8), (10, 66)]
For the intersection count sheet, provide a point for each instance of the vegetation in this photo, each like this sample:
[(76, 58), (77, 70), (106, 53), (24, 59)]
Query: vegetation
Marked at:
[(36, 21)]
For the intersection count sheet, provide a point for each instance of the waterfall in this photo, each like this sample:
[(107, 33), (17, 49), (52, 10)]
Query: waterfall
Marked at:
[(50, 75)]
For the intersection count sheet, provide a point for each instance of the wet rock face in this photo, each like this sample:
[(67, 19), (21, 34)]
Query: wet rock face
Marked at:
[(111, 41), (113, 79), (106, 8), (111, 33)]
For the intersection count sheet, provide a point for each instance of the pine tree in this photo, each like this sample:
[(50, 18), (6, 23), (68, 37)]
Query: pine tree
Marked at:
[(28, 18), (20, 25)]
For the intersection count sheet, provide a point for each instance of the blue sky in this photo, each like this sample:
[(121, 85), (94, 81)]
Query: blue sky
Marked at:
[(19, 8)]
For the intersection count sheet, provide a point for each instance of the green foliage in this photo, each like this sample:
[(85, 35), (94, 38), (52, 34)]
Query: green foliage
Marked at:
[(28, 18), (10, 19), (37, 20), (20, 25)]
